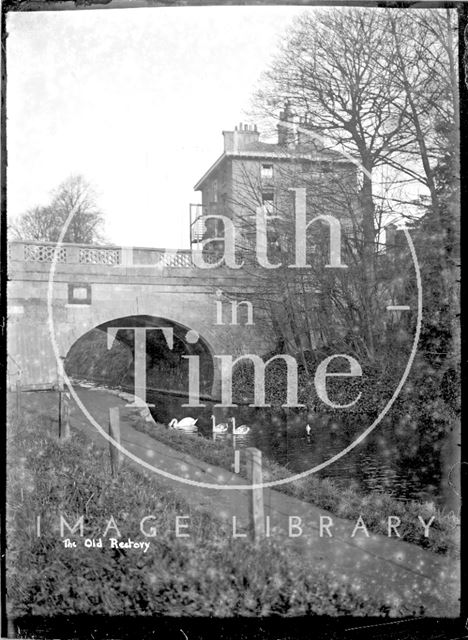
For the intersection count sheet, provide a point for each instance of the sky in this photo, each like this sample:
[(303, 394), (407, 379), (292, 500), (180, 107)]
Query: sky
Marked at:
[(135, 100)]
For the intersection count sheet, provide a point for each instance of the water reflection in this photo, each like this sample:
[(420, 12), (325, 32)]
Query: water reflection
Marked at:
[(379, 463)]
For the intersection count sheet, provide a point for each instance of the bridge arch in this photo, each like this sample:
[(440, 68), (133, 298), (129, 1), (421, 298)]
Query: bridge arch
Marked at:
[(89, 357), (94, 285)]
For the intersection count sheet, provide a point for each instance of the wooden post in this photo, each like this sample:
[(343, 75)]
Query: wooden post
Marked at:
[(60, 393), (65, 415), (236, 460), (18, 399), (256, 509), (60, 382), (11, 628), (114, 432), (60, 387)]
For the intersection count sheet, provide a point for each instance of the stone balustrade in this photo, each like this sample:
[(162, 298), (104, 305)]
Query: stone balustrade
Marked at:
[(110, 255)]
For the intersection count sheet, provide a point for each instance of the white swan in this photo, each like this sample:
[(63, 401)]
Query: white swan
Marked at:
[(186, 424), (239, 431), (222, 427), (308, 429)]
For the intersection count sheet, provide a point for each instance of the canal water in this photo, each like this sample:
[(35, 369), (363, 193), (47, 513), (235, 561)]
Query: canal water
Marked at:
[(386, 461)]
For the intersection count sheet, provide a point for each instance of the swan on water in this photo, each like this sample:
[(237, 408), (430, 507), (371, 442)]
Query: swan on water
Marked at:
[(186, 424), (222, 427), (239, 431)]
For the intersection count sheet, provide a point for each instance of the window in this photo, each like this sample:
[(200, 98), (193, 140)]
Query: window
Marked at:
[(266, 172), (214, 191), (268, 199)]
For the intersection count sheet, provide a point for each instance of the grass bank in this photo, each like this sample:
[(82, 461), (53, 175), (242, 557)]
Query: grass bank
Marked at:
[(345, 503), (208, 574)]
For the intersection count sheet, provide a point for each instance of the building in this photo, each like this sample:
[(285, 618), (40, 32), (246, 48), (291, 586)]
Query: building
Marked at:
[(251, 173)]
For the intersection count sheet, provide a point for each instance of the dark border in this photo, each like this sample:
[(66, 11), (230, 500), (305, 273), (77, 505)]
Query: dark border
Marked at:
[(69, 5), (96, 627), (3, 320), (463, 88), (279, 628)]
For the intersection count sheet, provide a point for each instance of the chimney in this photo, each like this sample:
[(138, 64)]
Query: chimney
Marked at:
[(286, 133), (238, 140), (304, 138)]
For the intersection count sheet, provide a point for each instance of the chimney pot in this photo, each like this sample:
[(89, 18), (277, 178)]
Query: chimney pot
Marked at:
[(241, 138), (286, 135)]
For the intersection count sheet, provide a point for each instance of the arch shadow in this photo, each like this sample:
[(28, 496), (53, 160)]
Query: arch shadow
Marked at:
[(166, 369)]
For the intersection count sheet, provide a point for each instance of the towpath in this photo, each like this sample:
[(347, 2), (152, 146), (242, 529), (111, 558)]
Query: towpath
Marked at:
[(388, 568)]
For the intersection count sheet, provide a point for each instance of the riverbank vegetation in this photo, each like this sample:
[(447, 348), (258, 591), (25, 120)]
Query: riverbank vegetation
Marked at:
[(419, 429), (177, 576), (375, 508)]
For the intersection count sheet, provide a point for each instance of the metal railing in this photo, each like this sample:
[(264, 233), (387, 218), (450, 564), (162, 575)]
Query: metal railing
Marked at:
[(197, 224)]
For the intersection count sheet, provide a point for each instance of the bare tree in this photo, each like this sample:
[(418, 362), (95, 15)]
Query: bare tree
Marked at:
[(38, 223), (382, 85), (331, 71), (374, 83), (73, 196), (425, 51), (430, 85)]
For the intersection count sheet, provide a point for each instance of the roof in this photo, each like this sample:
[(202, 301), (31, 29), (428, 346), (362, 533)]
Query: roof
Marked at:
[(269, 150), (214, 166)]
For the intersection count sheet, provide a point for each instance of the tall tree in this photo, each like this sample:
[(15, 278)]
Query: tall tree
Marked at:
[(375, 83), (331, 71), (73, 196), (424, 50), (382, 84)]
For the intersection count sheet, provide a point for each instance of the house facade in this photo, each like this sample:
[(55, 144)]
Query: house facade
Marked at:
[(250, 173), (252, 177)]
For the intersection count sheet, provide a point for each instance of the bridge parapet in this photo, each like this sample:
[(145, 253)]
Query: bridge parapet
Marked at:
[(109, 255)]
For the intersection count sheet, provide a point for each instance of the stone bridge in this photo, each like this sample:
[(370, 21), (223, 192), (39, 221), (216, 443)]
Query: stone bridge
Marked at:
[(101, 285)]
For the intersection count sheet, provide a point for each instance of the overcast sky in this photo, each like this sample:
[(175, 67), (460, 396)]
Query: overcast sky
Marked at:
[(133, 99)]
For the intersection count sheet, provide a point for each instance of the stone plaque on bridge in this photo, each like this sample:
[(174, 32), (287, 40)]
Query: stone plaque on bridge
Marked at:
[(79, 294)]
